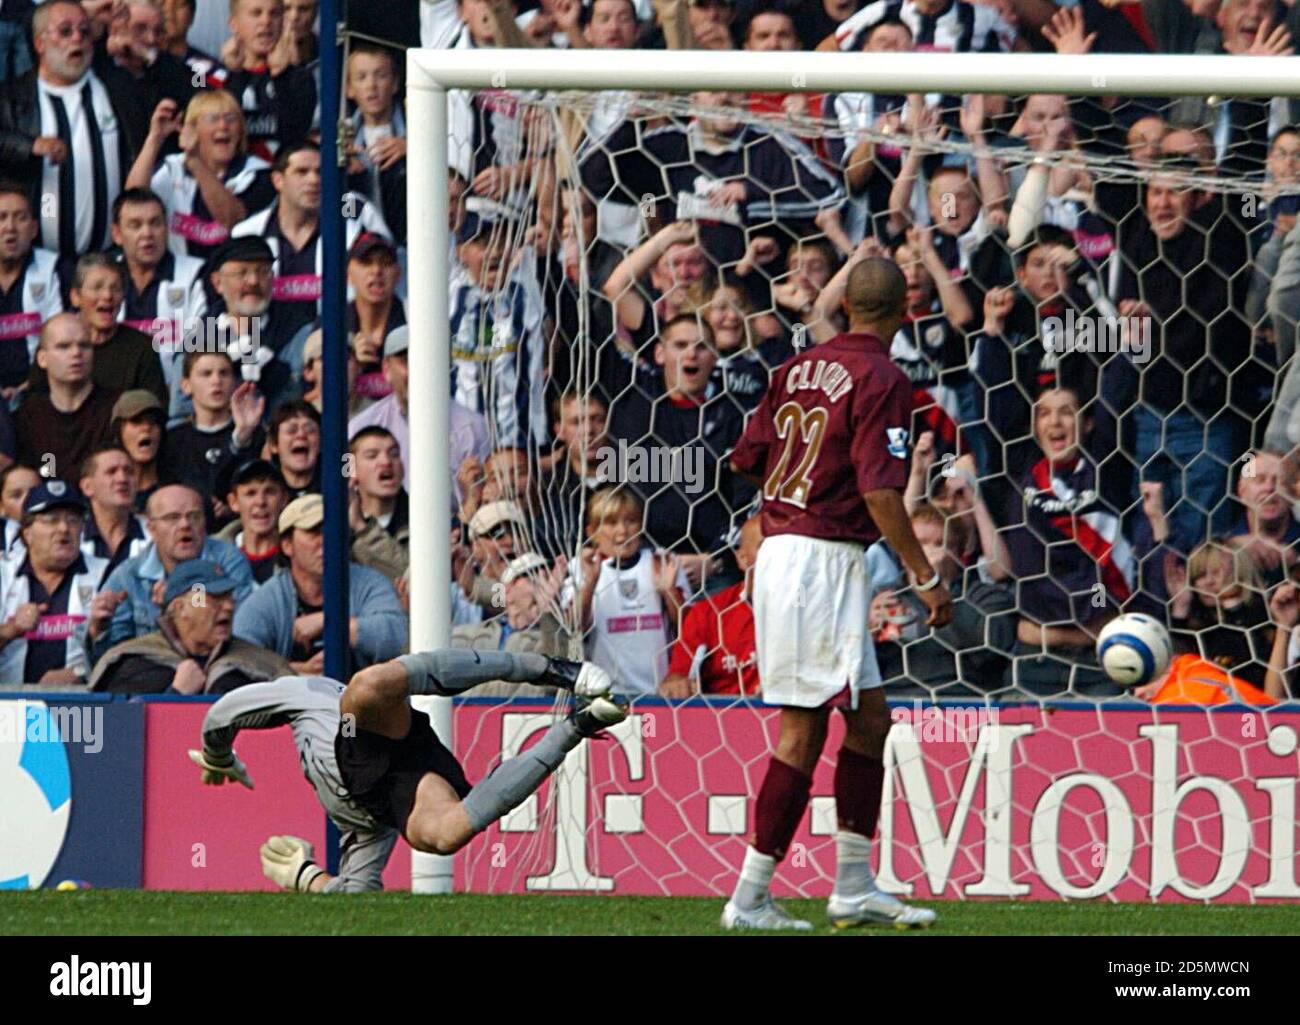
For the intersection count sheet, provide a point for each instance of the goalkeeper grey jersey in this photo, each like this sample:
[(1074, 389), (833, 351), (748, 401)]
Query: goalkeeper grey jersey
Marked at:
[(309, 706)]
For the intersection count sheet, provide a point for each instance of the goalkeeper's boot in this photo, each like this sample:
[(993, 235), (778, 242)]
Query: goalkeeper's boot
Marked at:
[(592, 716), (876, 907), (583, 679), (767, 916)]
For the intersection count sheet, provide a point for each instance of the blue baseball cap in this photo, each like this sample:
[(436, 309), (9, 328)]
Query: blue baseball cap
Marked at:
[(52, 494), (194, 573)]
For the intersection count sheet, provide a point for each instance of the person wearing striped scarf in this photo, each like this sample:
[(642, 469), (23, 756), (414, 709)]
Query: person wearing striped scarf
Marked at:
[(1073, 566)]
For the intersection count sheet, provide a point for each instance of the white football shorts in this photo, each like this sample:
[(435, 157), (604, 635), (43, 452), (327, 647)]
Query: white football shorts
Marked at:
[(811, 600)]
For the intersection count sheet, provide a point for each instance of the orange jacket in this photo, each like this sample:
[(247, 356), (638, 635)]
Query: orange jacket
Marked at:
[(1194, 681)]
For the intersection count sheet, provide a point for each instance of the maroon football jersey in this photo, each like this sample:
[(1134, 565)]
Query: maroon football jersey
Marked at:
[(832, 427)]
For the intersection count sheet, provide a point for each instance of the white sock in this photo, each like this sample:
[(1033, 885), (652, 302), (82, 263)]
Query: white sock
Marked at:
[(755, 880), (853, 873)]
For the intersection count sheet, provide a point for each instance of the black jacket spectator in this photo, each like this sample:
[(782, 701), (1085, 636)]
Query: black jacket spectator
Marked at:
[(277, 111), (20, 126), (126, 362), (1195, 285), (642, 414), (44, 431)]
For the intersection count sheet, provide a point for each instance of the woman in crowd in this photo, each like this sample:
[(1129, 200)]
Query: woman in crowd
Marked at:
[(212, 183), (1223, 615)]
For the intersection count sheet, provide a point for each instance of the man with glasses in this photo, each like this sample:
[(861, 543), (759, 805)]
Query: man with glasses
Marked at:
[(47, 598), (498, 532), (134, 591), (67, 132)]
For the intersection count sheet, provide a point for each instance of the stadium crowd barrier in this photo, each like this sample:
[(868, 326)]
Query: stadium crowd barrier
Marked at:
[(1125, 802)]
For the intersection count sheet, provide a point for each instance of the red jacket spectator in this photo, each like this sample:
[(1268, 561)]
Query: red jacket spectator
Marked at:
[(718, 631)]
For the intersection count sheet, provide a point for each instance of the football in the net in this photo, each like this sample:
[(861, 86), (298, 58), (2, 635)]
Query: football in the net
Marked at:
[(1134, 649)]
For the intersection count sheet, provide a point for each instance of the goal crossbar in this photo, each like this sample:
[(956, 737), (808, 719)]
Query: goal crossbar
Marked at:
[(1101, 74)]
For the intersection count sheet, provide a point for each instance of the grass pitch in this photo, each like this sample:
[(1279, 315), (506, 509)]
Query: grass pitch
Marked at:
[(135, 912)]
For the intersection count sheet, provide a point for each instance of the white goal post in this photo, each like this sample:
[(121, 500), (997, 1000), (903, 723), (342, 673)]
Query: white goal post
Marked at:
[(431, 73)]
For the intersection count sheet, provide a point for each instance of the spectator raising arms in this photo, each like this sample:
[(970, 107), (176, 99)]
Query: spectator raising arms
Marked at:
[(225, 427), (260, 64), (629, 597), (213, 183)]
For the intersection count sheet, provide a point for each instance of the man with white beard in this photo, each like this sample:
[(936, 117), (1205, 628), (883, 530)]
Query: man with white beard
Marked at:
[(68, 133), (241, 270)]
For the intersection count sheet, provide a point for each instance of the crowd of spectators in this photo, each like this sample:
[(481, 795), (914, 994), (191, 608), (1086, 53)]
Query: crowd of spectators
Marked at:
[(624, 275), (160, 279)]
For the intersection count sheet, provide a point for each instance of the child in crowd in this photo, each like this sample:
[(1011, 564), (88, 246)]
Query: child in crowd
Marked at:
[(256, 494), (378, 167), (629, 597), (225, 426)]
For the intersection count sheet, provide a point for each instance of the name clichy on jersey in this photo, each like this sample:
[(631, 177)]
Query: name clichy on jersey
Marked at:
[(828, 376)]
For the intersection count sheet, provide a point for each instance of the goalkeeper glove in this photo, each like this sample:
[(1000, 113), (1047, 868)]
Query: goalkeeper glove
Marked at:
[(287, 862), (214, 773)]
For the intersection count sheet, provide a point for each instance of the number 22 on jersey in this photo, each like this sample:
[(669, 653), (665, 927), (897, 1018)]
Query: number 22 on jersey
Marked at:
[(795, 425)]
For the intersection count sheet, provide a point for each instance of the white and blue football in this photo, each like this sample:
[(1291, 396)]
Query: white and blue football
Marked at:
[(1134, 649)]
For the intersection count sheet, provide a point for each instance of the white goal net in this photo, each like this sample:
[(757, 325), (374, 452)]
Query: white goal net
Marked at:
[(1103, 295)]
